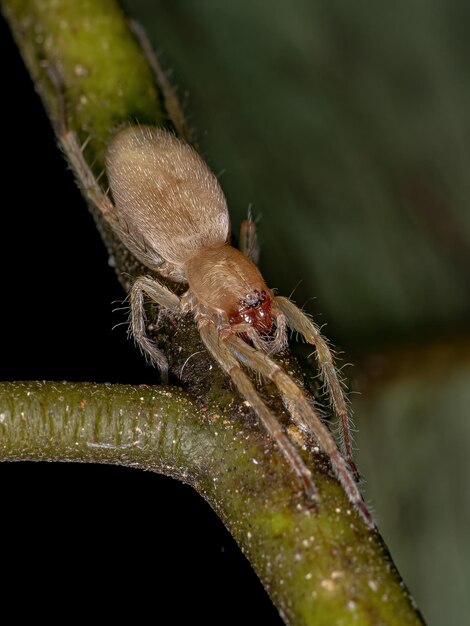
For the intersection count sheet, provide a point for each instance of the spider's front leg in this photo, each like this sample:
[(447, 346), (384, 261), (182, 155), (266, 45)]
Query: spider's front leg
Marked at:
[(286, 313), (216, 344), (302, 413), (298, 321), (267, 344)]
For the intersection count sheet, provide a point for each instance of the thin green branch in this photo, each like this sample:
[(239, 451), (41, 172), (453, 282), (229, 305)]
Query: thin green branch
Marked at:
[(320, 565), (318, 569)]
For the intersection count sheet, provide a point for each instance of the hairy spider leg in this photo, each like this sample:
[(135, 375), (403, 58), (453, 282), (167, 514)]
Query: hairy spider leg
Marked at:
[(170, 99), (298, 321), (303, 415), (70, 145), (94, 193), (215, 344), (147, 285), (248, 243), (88, 183), (253, 335), (280, 341)]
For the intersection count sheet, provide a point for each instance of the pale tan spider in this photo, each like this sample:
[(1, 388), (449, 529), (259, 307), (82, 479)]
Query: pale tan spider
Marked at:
[(168, 209)]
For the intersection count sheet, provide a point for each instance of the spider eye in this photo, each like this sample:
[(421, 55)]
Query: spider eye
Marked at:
[(248, 296)]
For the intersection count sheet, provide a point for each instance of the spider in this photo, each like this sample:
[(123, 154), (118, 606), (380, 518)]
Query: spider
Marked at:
[(170, 212)]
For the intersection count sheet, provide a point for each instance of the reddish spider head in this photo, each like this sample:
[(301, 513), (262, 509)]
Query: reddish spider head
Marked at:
[(226, 281), (254, 309)]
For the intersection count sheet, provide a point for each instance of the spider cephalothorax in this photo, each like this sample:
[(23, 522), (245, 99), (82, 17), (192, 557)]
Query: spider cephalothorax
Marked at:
[(254, 309), (225, 280)]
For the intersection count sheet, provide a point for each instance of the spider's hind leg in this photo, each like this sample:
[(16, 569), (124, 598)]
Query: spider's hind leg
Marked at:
[(170, 99), (73, 150), (298, 321), (89, 184), (249, 239)]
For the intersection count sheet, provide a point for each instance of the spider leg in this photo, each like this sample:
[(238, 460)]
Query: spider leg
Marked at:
[(250, 247), (279, 342), (146, 285), (170, 99), (270, 345), (243, 328), (297, 320), (88, 183), (215, 344), (303, 414), (249, 239), (73, 150)]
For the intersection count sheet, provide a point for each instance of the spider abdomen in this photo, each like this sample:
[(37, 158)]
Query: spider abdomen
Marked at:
[(165, 193)]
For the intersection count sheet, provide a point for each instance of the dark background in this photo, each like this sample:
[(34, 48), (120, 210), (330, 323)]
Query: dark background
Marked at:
[(348, 128)]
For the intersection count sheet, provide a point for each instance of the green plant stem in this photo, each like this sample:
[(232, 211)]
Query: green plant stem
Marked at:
[(321, 565), (317, 568)]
